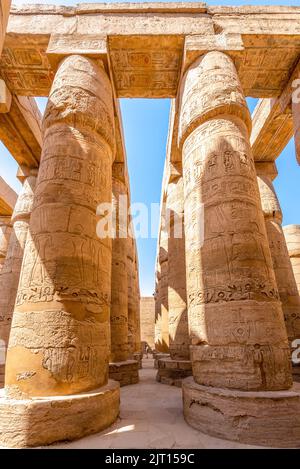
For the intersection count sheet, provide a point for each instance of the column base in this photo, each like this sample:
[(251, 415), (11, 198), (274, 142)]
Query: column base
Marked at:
[(256, 418), (126, 372), (138, 356), (172, 372), (45, 420), (159, 356)]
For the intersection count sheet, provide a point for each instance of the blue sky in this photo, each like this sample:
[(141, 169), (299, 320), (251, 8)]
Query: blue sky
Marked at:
[(145, 126)]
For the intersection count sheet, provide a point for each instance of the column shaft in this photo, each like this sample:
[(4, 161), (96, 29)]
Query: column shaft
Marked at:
[(177, 302), (285, 279), (235, 317), (10, 274), (292, 237), (119, 287), (59, 342), (5, 232)]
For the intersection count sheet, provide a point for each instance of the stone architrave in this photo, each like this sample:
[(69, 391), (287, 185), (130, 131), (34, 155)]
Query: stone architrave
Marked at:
[(239, 341), (58, 350), (10, 274), (286, 284)]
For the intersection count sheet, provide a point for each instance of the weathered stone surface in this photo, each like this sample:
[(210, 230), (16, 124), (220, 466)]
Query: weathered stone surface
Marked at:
[(4, 13), (172, 372), (131, 298), (126, 372), (287, 288), (146, 44), (147, 307), (8, 198), (20, 131), (266, 418), (10, 274), (65, 264), (177, 302), (44, 420), (119, 287), (5, 233), (5, 97), (235, 316), (292, 237)]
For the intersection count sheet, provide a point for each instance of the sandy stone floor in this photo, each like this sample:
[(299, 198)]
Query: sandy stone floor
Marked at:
[(150, 417)]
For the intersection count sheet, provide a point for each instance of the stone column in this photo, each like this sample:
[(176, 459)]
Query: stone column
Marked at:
[(4, 13), (157, 324), (163, 261), (59, 341), (5, 232), (131, 302), (292, 237), (119, 288), (120, 368), (239, 340), (138, 354), (10, 274), (172, 370), (296, 118), (285, 279)]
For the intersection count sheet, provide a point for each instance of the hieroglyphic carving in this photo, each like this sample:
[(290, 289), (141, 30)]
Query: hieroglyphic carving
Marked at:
[(229, 271), (10, 274), (65, 279), (119, 287), (292, 237), (285, 279), (177, 301), (146, 64)]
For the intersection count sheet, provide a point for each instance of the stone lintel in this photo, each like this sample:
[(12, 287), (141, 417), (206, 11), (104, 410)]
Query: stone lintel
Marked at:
[(8, 198), (273, 123), (20, 131), (5, 97)]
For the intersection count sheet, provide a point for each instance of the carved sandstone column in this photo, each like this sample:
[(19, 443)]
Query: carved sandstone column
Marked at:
[(10, 274), (138, 354), (172, 370), (120, 368), (131, 301), (119, 289), (285, 279), (239, 340), (292, 237), (59, 341), (5, 232), (157, 326)]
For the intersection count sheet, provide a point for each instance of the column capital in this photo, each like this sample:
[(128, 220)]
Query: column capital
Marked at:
[(210, 88)]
